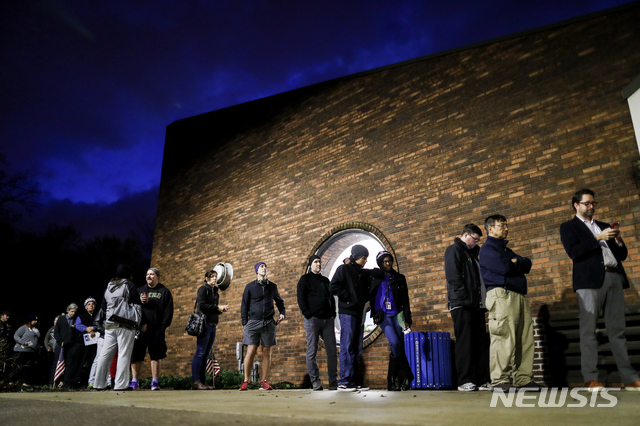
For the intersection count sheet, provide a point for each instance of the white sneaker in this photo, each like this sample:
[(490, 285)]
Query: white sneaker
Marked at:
[(345, 388), (362, 388), (486, 387), (468, 387)]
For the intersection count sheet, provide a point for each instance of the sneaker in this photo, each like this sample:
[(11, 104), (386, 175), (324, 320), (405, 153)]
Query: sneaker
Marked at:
[(362, 388), (264, 385), (134, 385), (594, 386), (346, 388), (486, 387), (635, 386), (244, 386), (468, 387), (155, 385)]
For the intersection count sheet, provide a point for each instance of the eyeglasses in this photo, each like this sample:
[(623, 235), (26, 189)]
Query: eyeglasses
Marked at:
[(589, 203), (477, 240)]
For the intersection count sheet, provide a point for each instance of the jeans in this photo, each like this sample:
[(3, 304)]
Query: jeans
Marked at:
[(351, 334), (314, 328), (203, 347), (393, 333)]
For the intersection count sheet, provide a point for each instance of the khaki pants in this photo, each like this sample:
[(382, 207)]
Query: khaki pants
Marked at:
[(511, 330)]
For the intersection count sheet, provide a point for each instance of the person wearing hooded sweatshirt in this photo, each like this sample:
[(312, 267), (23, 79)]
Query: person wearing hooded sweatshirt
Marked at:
[(318, 307), (389, 296), (349, 284), (118, 335)]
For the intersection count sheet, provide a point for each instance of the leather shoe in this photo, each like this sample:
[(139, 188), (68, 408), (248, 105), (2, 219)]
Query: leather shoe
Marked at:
[(635, 386), (199, 386), (594, 385)]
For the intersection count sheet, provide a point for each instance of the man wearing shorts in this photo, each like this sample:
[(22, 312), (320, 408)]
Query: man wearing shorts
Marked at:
[(157, 314), (257, 319)]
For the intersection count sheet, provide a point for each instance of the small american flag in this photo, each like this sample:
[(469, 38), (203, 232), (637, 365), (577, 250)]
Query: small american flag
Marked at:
[(59, 366), (213, 367)]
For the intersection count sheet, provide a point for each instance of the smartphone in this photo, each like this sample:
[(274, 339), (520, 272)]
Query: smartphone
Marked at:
[(615, 225)]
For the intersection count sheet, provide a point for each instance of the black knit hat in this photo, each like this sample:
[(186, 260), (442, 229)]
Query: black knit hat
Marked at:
[(124, 271), (358, 251), (311, 259)]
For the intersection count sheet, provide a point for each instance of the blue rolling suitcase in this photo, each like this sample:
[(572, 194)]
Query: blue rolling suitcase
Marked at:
[(430, 359)]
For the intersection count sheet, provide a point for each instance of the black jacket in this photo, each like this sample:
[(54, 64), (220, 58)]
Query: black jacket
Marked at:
[(463, 275), (64, 334), (158, 311), (588, 262), (207, 301), (314, 296), (350, 284), (257, 302), (399, 290)]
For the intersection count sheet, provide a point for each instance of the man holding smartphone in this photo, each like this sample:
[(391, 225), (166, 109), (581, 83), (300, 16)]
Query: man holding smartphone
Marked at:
[(599, 279)]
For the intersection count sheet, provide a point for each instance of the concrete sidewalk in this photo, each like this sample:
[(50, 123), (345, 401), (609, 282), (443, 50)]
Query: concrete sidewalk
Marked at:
[(299, 407)]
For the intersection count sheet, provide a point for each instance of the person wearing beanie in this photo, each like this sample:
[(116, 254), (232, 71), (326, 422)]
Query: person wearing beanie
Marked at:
[(157, 311), (389, 297), (318, 307), (119, 333), (27, 340), (257, 314), (350, 285)]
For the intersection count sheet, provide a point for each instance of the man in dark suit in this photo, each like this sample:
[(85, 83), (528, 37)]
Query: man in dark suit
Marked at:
[(599, 279)]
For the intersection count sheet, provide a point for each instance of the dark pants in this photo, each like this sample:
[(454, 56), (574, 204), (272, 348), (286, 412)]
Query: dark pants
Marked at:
[(472, 346), (203, 347), (72, 366), (24, 367)]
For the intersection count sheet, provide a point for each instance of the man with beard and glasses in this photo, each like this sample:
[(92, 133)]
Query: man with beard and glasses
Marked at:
[(599, 280)]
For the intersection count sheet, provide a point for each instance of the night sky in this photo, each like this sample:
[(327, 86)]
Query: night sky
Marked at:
[(87, 88)]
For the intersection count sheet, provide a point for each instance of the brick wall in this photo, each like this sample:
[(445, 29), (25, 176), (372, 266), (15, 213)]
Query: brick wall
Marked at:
[(416, 151)]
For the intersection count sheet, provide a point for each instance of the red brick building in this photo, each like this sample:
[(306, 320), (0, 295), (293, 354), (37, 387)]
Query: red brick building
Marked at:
[(408, 153)]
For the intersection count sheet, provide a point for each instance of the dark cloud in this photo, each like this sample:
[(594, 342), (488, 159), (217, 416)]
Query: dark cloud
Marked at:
[(89, 87), (133, 213)]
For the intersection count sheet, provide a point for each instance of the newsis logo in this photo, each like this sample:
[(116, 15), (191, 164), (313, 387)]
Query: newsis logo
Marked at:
[(553, 397)]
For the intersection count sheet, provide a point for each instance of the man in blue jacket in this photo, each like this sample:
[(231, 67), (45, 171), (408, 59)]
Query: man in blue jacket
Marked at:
[(503, 273), (599, 280)]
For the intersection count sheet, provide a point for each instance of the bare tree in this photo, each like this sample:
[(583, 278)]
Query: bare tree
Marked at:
[(17, 192)]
